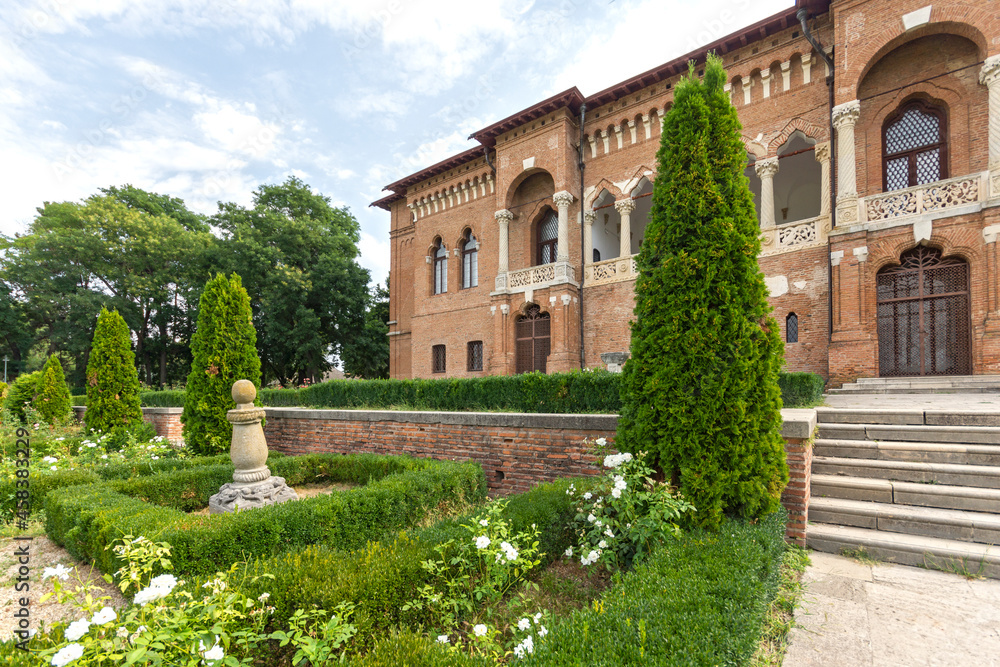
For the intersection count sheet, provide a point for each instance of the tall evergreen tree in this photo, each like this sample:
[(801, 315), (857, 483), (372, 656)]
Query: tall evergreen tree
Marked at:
[(112, 378), (224, 350), (53, 399), (700, 391)]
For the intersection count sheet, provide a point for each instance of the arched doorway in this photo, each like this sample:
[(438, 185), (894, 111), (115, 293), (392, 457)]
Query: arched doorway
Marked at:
[(923, 315), (532, 332)]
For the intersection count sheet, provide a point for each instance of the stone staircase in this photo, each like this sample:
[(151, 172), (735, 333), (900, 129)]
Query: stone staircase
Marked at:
[(944, 384), (917, 487)]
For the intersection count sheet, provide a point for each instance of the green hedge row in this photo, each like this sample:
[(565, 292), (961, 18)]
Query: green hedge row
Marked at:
[(399, 491), (700, 600), (801, 389), (568, 393)]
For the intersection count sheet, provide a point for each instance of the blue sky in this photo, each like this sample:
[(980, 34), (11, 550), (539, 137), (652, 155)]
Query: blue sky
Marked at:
[(206, 99)]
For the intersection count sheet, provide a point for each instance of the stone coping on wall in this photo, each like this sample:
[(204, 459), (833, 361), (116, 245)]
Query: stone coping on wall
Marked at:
[(797, 423)]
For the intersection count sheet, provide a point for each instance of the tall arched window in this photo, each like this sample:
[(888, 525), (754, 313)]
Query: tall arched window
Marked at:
[(792, 328), (548, 235), (470, 260), (915, 145), (440, 268)]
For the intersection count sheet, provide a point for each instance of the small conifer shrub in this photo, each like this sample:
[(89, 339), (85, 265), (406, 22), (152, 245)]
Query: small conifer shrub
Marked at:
[(112, 378), (224, 350), (53, 398), (700, 391), (21, 393)]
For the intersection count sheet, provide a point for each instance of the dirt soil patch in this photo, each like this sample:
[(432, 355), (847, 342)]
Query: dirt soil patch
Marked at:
[(44, 553)]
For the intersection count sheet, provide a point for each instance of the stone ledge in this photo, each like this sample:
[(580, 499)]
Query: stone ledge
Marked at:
[(798, 423), (579, 422)]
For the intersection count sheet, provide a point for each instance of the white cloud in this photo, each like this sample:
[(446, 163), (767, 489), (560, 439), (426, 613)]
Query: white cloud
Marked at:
[(375, 253)]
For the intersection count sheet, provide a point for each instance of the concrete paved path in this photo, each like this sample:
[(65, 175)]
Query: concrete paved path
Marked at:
[(855, 615), (987, 402)]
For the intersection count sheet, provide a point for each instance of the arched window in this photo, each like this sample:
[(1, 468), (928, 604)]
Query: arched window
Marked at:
[(792, 328), (440, 268), (532, 332), (470, 261), (548, 235), (915, 145)]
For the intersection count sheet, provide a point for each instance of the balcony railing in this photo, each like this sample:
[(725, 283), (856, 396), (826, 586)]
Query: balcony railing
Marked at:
[(535, 277), (610, 271), (928, 198), (795, 235)]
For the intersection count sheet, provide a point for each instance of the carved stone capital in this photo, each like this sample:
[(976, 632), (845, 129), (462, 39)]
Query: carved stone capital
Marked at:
[(562, 199), (625, 206), (766, 168), (503, 216), (822, 152), (590, 217), (989, 75), (846, 114)]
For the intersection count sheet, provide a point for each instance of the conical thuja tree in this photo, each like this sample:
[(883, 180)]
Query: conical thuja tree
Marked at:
[(53, 399), (224, 350), (700, 391), (112, 378)]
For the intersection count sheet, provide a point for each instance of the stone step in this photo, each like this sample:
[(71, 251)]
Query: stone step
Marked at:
[(985, 477), (942, 496), (931, 522), (856, 390), (927, 452), (918, 550), (978, 435), (931, 379), (907, 417)]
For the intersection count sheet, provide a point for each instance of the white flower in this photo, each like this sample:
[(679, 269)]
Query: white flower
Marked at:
[(60, 571), (538, 617), (159, 587), (442, 639), (482, 542), (104, 616), (484, 523), (529, 645), (479, 630), (77, 629), (543, 632), (600, 442), (569, 552), (91, 444), (598, 524), (215, 653), (616, 492), (588, 495), (263, 597), (53, 468), (591, 518), (67, 655), (621, 484), (121, 632), (104, 456), (524, 624), (509, 550), (615, 460), (602, 544), (155, 458), (519, 650), (141, 629), (167, 581), (609, 533)]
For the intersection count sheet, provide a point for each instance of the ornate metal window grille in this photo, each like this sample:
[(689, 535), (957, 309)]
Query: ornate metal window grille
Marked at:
[(438, 359), (532, 334), (924, 323), (440, 268), (470, 261), (792, 328), (915, 146), (548, 238), (475, 360)]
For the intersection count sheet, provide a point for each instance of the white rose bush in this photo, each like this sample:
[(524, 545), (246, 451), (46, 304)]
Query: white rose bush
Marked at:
[(620, 519)]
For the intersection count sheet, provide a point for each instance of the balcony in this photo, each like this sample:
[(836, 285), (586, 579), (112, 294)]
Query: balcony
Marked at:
[(795, 235), (616, 270), (922, 199), (535, 277)]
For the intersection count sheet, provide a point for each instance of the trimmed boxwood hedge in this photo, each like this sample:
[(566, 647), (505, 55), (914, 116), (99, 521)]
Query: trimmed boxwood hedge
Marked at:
[(399, 491), (559, 393)]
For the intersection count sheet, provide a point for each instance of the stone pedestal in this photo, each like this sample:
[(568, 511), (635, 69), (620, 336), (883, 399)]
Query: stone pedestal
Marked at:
[(614, 360), (252, 485)]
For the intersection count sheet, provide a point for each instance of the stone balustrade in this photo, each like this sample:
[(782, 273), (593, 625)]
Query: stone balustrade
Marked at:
[(938, 196), (615, 270)]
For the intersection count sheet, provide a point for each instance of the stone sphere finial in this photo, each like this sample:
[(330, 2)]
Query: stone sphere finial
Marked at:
[(244, 392)]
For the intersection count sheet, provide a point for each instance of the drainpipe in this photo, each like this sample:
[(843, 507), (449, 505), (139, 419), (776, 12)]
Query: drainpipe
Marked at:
[(583, 250), (802, 15)]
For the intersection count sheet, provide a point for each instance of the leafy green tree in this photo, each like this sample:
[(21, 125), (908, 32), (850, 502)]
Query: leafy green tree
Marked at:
[(367, 355), (21, 394), (224, 351), (700, 390), (112, 379), (16, 335), (297, 256), (53, 400)]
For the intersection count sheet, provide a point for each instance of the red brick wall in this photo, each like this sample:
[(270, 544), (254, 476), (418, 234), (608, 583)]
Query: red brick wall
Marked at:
[(795, 497)]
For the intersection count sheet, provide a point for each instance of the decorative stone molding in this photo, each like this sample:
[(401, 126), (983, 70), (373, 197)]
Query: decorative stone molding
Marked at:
[(989, 76), (766, 169), (786, 75), (921, 199), (631, 130), (822, 155), (562, 201), (846, 114), (835, 257), (861, 253), (625, 208), (765, 79), (806, 68), (614, 270), (503, 217), (990, 233), (746, 90)]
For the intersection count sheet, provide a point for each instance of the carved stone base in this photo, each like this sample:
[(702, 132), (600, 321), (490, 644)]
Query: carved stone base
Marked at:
[(233, 496)]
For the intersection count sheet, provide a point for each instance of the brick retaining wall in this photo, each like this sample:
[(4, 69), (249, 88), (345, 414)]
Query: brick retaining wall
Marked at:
[(517, 451)]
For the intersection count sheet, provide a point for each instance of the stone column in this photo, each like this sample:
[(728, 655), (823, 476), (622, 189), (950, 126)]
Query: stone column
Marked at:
[(503, 217), (844, 118), (625, 208), (989, 76), (822, 155), (766, 169), (588, 236), (562, 201)]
